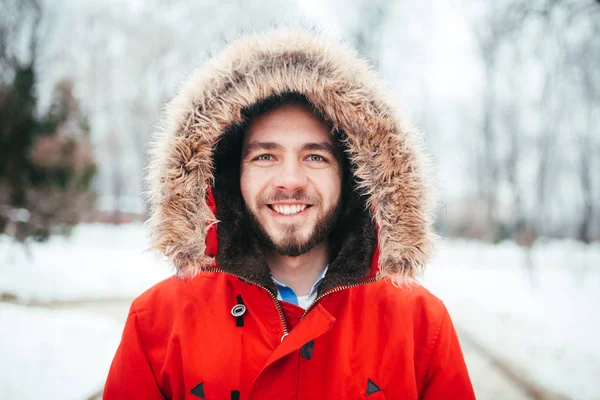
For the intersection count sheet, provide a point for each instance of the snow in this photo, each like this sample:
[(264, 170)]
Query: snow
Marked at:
[(550, 329), (547, 329), (65, 354), (54, 354), (96, 262)]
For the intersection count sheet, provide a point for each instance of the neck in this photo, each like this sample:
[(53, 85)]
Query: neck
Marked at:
[(301, 272)]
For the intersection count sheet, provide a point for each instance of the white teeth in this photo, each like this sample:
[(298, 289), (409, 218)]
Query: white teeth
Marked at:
[(289, 209)]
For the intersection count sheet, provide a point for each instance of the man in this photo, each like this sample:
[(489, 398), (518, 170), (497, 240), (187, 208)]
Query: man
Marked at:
[(293, 203)]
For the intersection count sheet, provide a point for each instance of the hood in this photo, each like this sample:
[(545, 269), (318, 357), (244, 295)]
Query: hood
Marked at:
[(383, 149)]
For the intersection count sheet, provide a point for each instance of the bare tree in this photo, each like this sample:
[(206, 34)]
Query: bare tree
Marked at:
[(556, 40), (367, 33), (18, 18), (587, 60), (491, 37)]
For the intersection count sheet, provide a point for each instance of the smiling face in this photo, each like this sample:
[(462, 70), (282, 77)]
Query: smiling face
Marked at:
[(291, 179)]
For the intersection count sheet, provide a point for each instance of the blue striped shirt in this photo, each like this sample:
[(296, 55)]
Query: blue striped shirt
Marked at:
[(286, 293)]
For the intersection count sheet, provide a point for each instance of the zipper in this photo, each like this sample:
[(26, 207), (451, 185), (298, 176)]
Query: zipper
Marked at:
[(277, 305), (335, 290)]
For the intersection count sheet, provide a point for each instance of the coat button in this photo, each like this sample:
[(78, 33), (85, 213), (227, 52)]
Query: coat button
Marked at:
[(238, 310)]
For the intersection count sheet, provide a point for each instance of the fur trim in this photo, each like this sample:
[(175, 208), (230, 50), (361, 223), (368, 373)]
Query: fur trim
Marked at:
[(385, 151)]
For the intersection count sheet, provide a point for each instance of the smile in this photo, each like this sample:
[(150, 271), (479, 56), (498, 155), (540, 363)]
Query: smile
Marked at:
[(288, 209)]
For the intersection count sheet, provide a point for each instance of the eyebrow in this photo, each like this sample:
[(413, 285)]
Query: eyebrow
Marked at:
[(321, 146), (314, 146), (255, 146)]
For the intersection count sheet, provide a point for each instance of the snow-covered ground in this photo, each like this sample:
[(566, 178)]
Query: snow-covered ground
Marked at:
[(96, 262), (549, 330), (66, 353), (54, 354)]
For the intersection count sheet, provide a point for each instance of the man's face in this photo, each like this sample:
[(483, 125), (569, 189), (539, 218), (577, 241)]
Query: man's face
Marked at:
[(291, 179)]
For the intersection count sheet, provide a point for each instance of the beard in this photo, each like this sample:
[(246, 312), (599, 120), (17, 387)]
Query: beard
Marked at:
[(292, 244)]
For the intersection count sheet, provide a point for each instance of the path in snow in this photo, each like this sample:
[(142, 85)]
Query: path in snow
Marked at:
[(496, 379), (490, 382)]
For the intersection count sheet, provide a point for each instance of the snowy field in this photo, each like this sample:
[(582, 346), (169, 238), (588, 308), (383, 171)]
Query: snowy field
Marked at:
[(548, 326), (62, 353), (546, 323), (96, 262), (54, 354)]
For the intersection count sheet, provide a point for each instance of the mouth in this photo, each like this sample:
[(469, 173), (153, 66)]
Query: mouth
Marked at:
[(289, 209)]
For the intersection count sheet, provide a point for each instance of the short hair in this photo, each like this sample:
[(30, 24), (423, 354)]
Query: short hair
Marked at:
[(279, 100)]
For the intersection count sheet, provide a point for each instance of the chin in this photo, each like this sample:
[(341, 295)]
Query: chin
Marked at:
[(283, 241), (300, 234), (297, 241)]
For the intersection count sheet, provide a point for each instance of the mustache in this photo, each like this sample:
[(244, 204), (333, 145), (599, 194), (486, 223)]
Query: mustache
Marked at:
[(299, 196)]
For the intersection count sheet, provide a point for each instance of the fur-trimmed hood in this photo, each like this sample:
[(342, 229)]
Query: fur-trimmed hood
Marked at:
[(383, 149)]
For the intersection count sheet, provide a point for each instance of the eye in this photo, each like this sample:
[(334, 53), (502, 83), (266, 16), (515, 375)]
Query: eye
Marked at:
[(264, 157), (315, 157)]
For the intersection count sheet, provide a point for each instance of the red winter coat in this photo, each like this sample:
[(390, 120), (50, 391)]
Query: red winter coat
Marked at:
[(364, 337), (371, 341)]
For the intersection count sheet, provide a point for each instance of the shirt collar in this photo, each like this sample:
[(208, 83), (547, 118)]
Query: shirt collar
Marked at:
[(313, 287)]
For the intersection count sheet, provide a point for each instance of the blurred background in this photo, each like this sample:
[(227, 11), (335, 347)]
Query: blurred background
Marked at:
[(507, 94)]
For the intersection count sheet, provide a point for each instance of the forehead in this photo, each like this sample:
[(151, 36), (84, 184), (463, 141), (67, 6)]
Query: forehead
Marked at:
[(289, 125)]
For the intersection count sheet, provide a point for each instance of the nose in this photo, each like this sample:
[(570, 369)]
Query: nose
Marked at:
[(291, 176)]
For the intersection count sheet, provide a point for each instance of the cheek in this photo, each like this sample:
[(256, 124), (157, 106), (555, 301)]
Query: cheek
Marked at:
[(250, 184), (245, 186), (331, 188), (336, 194)]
